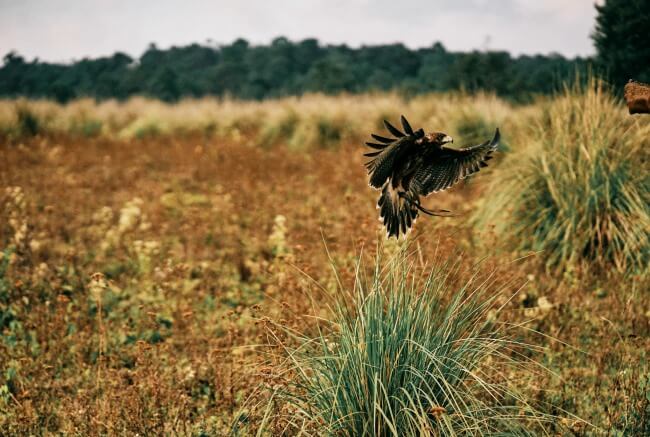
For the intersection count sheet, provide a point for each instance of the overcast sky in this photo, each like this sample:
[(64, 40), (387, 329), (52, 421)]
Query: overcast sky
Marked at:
[(64, 30)]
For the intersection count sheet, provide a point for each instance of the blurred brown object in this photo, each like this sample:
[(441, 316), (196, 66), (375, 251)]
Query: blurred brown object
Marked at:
[(637, 95)]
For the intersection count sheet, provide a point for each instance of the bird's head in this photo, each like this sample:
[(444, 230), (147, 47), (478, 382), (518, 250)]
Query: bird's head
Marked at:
[(436, 139)]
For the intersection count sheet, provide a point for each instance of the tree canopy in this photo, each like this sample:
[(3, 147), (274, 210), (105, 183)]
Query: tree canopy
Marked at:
[(284, 67), (622, 40)]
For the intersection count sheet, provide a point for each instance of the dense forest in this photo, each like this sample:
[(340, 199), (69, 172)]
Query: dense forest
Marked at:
[(284, 68)]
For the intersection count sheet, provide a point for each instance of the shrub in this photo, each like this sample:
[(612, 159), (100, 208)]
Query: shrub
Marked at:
[(143, 128), (409, 357), (330, 132), (279, 129), (473, 129), (87, 128), (320, 131), (580, 192), (28, 124)]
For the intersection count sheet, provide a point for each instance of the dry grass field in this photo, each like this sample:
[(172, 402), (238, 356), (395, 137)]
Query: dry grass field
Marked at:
[(171, 269)]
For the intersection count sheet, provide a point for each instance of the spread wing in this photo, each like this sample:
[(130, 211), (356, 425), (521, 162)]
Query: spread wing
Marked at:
[(443, 168), (389, 151)]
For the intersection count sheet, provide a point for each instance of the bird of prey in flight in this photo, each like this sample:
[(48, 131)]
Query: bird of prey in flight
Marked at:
[(413, 165)]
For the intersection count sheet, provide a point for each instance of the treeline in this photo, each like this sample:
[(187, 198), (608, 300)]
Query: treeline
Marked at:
[(287, 68)]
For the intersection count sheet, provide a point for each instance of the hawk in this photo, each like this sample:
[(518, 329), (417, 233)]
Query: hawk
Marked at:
[(413, 165)]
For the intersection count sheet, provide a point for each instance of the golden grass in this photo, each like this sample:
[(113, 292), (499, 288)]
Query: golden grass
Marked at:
[(313, 120)]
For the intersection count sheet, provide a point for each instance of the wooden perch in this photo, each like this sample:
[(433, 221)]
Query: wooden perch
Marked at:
[(637, 95)]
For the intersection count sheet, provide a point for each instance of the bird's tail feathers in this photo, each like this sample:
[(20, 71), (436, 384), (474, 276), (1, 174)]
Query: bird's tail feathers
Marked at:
[(397, 212)]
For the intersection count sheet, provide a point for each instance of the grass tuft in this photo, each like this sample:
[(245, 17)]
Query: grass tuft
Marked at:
[(581, 191), (407, 356)]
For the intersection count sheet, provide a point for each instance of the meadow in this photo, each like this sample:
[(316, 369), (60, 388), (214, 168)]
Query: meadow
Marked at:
[(216, 267)]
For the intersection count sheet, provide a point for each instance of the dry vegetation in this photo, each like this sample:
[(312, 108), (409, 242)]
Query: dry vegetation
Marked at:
[(164, 268)]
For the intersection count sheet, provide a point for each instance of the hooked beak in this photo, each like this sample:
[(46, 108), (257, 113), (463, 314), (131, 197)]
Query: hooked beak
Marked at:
[(447, 139)]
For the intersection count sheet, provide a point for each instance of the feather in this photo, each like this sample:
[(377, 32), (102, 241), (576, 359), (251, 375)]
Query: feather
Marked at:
[(393, 130), (371, 154), (407, 127), (375, 145), (419, 133), (402, 221), (382, 139)]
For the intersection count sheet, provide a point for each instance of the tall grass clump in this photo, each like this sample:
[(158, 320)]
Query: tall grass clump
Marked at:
[(580, 192), (410, 357)]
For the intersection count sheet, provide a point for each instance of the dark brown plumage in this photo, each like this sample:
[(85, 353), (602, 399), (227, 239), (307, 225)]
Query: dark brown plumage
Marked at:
[(414, 165)]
